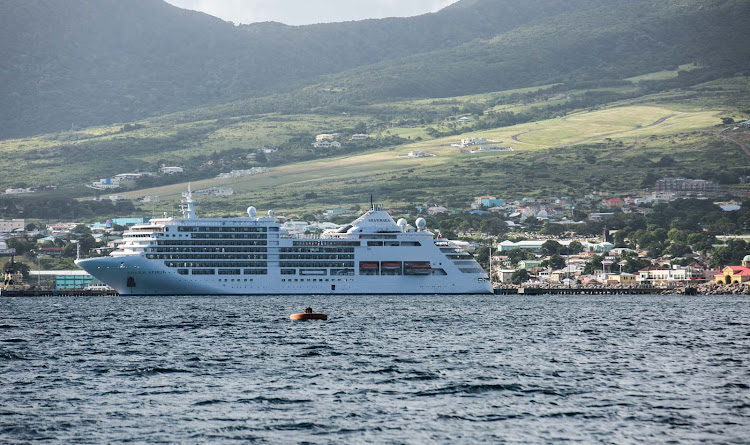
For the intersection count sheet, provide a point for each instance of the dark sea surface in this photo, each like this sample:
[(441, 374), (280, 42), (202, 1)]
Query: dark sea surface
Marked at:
[(383, 369)]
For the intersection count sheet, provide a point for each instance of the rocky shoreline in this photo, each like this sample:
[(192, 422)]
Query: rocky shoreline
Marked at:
[(700, 289)]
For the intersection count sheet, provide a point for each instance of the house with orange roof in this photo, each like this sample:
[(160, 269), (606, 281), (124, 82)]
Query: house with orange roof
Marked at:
[(735, 274)]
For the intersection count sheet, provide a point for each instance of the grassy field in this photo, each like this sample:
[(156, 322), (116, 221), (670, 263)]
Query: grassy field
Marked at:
[(541, 164), (662, 75), (613, 147)]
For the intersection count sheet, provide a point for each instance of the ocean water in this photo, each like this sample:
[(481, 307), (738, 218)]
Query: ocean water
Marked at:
[(383, 369)]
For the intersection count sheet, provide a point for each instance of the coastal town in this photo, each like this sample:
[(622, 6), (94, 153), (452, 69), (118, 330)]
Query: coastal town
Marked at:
[(597, 241)]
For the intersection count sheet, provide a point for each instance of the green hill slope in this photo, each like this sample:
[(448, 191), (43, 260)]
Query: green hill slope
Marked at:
[(598, 44), (87, 62)]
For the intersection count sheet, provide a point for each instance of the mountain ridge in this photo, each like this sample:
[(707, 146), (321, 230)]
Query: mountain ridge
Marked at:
[(87, 62), (94, 62)]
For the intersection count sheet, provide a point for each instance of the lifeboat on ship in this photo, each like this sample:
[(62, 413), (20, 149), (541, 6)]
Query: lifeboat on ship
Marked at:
[(417, 268)]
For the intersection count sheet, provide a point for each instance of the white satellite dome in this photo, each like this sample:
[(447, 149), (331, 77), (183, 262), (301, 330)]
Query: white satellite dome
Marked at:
[(402, 224), (251, 211), (421, 223), (270, 213)]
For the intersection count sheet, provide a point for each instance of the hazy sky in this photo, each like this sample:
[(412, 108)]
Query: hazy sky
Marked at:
[(302, 12)]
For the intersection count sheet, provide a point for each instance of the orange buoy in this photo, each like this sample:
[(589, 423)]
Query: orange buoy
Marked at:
[(309, 316)]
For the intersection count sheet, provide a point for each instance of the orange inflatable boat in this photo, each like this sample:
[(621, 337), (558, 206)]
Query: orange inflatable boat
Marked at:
[(309, 315)]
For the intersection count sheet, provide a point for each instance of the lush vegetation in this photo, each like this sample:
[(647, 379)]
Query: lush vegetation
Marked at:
[(82, 63)]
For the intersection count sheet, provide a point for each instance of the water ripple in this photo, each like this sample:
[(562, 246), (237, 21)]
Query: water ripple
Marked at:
[(383, 369)]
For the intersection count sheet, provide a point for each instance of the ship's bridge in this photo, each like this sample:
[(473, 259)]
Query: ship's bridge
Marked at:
[(374, 221)]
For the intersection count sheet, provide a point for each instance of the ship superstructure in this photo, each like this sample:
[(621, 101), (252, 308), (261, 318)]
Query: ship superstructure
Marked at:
[(253, 255)]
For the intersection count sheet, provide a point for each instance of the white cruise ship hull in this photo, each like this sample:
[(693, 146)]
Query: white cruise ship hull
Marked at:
[(151, 280), (254, 256)]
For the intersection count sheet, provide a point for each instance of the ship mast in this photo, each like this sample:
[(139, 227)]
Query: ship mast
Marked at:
[(188, 212), (491, 267)]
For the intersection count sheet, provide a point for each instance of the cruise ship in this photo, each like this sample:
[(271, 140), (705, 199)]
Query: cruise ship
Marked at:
[(254, 255)]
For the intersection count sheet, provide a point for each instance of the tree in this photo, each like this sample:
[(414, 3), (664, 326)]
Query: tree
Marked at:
[(516, 255), (555, 262), (552, 229), (30, 227), (701, 241), (633, 264), (19, 267), (593, 265), (360, 128), (575, 247), (519, 276), (678, 249), (22, 245), (728, 255), (550, 247), (723, 226)]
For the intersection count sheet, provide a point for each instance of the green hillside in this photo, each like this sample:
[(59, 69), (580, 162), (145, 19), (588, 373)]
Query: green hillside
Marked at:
[(86, 62), (566, 142), (80, 63), (602, 44)]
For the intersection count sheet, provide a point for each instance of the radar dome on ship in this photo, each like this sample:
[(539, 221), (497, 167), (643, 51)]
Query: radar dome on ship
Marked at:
[(421, 223), (270, 213), (251, 211), (402, 223)]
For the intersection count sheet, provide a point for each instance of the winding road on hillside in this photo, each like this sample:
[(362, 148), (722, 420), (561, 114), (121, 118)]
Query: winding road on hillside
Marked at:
[(659, 121), (737, 142), (515, 136)]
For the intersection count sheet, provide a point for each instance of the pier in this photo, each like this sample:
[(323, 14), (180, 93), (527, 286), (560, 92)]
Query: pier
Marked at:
[(586, 291)]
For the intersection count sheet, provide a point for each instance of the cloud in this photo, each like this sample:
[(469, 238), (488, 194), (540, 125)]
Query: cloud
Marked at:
[(300, 12)]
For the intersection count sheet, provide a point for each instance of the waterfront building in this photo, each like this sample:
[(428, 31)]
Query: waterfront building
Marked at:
[(735, 274), (63, 279)]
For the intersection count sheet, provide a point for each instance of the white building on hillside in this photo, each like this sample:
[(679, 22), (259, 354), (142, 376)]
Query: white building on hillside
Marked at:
[(326, 144), (128, 176), (12, 225), (170, 170), (105, 184)]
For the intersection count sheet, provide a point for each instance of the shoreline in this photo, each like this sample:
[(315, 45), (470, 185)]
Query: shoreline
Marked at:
[(551, 289)]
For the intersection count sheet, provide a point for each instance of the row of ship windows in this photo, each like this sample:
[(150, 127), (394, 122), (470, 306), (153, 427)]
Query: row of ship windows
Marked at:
[(316, 249), (316, 264), (220, 229), (336, 272), (316, 257), (290, 280), (209, 243), (393, 243), (326, 243), (206, 249), (229, 235), (194, 256), (216, 264), (223, 272)]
